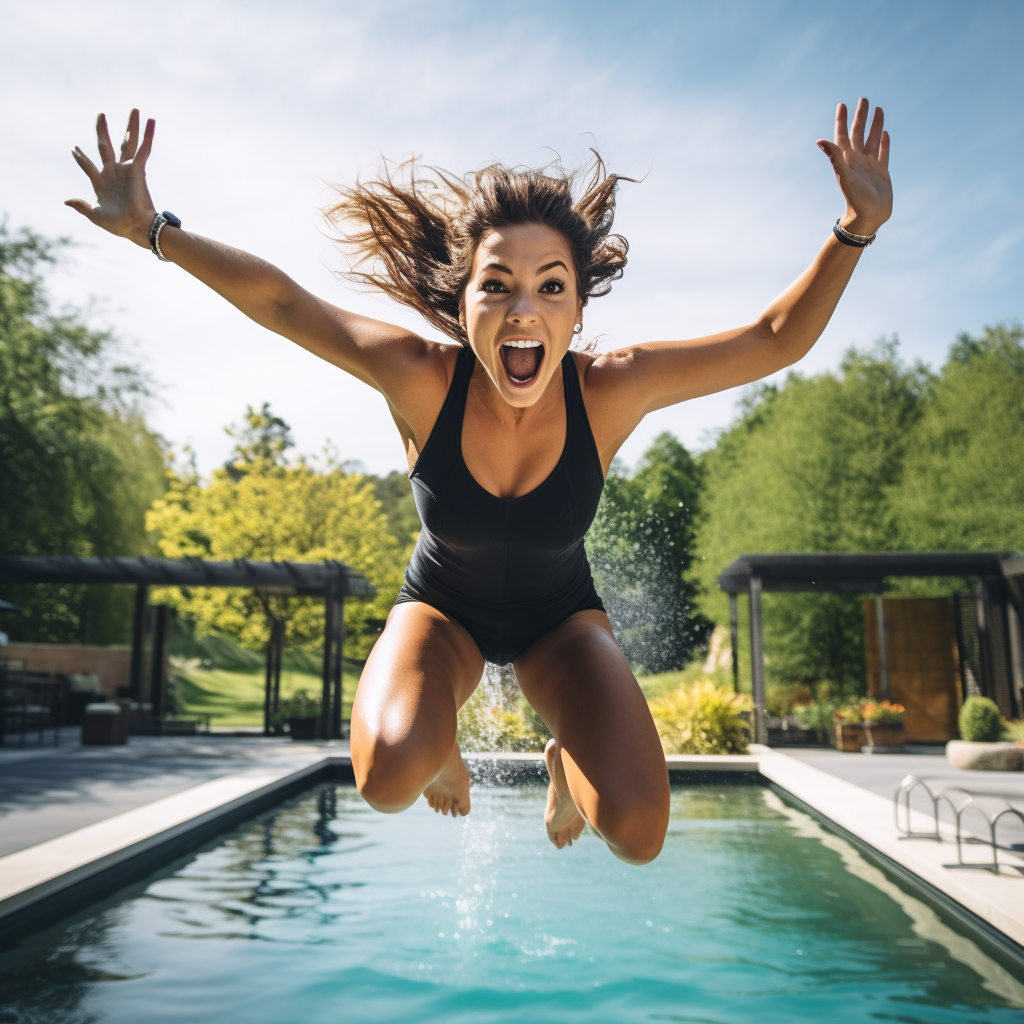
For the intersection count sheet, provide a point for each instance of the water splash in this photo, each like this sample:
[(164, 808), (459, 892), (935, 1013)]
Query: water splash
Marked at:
[(497, 718)]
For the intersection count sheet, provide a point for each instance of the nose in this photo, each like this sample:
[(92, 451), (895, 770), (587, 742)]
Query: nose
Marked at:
[(522, 310)]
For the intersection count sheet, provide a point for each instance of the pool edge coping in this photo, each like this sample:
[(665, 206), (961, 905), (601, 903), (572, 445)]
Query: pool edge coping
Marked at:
[(97, 857)]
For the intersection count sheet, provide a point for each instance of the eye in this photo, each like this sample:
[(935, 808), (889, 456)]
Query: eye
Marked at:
[(493, 286), (553, 286)]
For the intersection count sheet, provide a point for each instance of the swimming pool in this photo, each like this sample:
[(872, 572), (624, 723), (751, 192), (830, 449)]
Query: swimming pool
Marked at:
[(322, 910)]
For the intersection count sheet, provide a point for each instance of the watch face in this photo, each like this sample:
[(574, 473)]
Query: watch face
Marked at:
[(171, 219)]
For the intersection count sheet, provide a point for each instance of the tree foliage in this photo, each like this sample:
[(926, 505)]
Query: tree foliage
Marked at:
[(876, 457), (963, 484), (810, 466), (641, 551), (78, 465), (260, 507)]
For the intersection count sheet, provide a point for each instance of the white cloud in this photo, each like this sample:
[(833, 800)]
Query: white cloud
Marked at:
[(259, 106)]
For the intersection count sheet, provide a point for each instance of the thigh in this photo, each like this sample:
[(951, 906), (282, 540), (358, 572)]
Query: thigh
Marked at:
[(421, 670), (580, 683)]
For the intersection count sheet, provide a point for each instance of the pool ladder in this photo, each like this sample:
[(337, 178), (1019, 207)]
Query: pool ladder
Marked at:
[(959, 801)]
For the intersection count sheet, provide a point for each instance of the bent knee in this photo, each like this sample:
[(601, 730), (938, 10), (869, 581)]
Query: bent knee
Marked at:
[(391, 777), (635, 834)]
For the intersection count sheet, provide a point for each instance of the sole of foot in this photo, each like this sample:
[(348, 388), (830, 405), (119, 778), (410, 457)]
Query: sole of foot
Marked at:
[(449, 792), (562, 818)]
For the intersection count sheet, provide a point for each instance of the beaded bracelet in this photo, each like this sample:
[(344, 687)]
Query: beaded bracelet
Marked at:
[(160, 221), (849, 238)]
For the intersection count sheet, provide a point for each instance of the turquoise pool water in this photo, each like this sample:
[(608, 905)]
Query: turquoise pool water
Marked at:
[(324, 911)]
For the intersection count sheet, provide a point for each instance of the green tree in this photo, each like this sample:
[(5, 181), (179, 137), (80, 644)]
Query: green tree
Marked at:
[(394, 492), (810, 466), (963, 484), (78, 465), (641, 551), (261, 507)]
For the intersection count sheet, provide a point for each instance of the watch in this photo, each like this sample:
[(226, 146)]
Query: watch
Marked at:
[(160, 221)]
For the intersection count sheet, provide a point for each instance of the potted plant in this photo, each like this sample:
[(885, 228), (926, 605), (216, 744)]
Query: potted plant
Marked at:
[(850, 729), (301, 714), (981, 729), (883, 723)]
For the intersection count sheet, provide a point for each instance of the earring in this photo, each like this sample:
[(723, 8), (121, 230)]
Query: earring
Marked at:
[(577, 329)]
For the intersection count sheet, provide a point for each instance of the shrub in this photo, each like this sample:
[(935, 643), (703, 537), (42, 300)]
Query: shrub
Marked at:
[(820, 714), (702, 719), (980, 720), (781, 698), (299, 705)]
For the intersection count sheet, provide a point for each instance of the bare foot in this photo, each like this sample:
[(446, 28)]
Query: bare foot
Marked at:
[(562, 819), (449, 792)]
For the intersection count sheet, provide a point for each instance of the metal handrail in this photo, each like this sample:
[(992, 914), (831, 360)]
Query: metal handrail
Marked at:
[(968, 803)]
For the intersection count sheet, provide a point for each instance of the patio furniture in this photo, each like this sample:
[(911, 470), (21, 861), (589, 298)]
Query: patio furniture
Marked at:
[(29, 702), (991, 808), (105, 724)]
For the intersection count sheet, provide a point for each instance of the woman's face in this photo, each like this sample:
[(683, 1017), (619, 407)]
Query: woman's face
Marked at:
[(520, 306)]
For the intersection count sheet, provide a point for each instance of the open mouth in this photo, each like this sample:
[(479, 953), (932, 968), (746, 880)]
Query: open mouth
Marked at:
[(522, 360)]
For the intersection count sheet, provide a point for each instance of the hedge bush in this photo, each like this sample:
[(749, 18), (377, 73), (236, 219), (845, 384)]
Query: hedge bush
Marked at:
[(980, 720), (703, 719)]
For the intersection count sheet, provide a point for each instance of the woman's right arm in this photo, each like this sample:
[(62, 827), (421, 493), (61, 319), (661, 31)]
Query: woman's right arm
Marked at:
[(396, 362)]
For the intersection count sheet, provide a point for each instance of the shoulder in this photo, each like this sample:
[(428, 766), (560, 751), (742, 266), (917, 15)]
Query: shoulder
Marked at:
[(420, 386), (600, 372)]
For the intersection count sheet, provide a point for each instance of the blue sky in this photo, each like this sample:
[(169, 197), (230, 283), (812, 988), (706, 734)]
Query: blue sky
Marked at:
[(259, 106)]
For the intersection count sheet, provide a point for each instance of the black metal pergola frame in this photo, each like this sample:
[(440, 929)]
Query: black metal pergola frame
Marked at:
[(853, 573), (331, 580)]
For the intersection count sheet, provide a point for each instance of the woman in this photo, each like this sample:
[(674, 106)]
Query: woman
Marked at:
[(508, 436)]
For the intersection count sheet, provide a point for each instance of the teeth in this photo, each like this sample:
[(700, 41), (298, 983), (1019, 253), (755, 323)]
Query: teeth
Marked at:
[(522, 344)]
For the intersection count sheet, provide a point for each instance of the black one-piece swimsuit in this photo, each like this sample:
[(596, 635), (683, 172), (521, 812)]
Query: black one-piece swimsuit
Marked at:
[(507, 569)]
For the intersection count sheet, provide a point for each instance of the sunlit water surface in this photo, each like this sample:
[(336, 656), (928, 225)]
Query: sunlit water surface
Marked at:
[(324, 911)]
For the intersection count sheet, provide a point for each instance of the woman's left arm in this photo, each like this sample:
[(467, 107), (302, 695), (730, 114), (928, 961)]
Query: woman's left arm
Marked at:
[(626, 384)]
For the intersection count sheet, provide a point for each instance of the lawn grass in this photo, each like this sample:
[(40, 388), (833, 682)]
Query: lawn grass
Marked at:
[(236, 697)]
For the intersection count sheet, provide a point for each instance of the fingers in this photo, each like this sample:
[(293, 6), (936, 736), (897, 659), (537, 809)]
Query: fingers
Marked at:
[(147, 143), (842, 137), (82, 207), (883, 150), (103, 142), (875, 135), (860, 120), (833, 152), (130, 142), (91, 170)]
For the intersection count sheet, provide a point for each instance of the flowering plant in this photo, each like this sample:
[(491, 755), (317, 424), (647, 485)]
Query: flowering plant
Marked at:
[(882, 713), (850, 714)]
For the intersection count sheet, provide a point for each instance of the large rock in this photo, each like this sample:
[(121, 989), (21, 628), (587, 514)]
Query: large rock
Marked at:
[(992, 757)]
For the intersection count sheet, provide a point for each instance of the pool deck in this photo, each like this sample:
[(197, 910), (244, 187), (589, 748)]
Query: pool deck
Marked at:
[(73, 815)]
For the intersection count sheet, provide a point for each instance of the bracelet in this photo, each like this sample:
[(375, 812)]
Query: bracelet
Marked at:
[(849, 238), (160, 221)]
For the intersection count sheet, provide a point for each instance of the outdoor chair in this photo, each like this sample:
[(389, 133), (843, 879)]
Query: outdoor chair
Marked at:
[(29, 702)]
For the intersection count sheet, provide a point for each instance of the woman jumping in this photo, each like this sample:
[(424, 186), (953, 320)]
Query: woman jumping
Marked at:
[(508, 435)]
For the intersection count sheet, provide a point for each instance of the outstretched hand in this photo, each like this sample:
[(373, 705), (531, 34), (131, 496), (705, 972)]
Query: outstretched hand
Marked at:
[(123, 205), (862, 168)]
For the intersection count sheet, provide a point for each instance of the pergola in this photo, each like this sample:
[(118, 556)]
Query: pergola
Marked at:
[(333, 581), (1001, 584)]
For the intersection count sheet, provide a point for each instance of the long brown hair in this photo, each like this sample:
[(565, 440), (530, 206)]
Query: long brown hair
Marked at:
[(415, 231)]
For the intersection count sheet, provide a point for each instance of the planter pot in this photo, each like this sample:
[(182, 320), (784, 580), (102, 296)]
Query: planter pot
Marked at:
[(992, 757), (883, 735), (303, 728), (850, 738)]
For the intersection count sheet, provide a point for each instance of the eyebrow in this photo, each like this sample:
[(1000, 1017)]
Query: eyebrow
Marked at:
[(541, 270)]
